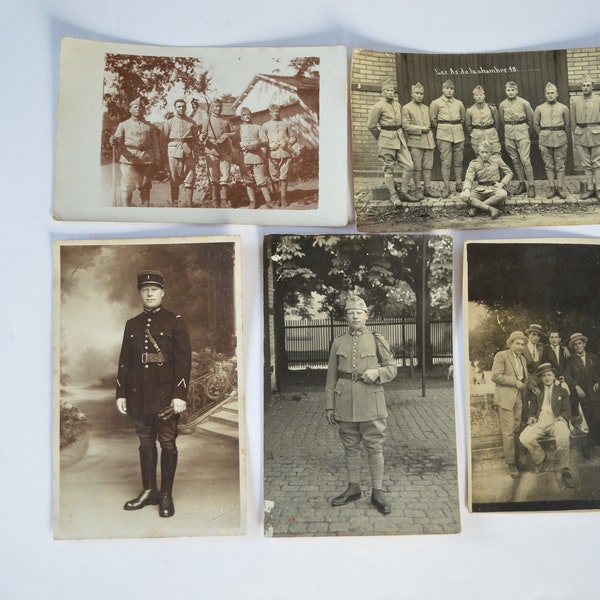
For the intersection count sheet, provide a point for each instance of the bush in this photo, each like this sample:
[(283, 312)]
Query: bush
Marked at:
[(72, 424)]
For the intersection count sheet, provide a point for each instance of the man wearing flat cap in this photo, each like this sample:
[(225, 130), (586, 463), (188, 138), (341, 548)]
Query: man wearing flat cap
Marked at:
[(549, 416), (360, 362), (152, 381), (582, 375), (552, 123), (509, 373), (585, 122), (136, 144), (385, 124)]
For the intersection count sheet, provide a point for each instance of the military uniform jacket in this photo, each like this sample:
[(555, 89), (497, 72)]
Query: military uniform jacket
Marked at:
[(355, 352), (138, 144), (482, 123), (251, 134), (385, 123), (517, 117), (551, 123), (150, 387), (448, 116), (212, 128), (414, 118), (278, 137), (182, 134), (585, 111), (487, 171)]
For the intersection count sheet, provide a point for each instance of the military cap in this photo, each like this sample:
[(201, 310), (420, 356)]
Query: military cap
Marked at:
[(138, 100), (150, 278), (550, 87), (544, 368), (387, 83), (535, 328), (575, 337), (448, 84), (586, 78), (515, 335), (478, 90), (418, 87), (355, 303)]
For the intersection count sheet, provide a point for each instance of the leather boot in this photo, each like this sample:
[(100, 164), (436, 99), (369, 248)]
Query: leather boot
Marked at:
[(149, 495), (560, 185), (521, 189), (379, 501), (168, 466), (351, 494), (589, 193), (427, 191), (551, 184), (406, 197)]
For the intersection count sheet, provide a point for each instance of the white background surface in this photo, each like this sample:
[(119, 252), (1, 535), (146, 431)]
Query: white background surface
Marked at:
[(531, 556)]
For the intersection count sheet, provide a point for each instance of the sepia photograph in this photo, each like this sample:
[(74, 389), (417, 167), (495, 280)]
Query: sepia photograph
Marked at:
[(532, 368), (149, 430), (359, 414), (191, 133), (472, 141)]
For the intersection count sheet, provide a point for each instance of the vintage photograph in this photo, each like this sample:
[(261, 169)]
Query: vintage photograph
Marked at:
[(533, 374), (359, 427), (148, 410), (244, 129), (470, 141)]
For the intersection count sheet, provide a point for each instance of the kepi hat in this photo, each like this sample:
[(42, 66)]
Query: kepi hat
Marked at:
[(150, 278)]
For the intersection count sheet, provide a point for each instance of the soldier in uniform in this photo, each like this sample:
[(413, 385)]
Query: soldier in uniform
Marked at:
[(182, 135), (385, 124), (216, 134), (447, 117), (551, 122), (482, 122), (152, 382), (279, 142), (137, 145), (360, 362), (585, 121), (416, 125), (516, 116), (485, 182)]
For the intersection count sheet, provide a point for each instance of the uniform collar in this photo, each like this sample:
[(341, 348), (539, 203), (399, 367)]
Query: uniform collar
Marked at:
[(356, 332), (152, 310)]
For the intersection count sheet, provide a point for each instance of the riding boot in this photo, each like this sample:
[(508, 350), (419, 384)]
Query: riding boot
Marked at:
[(150, 494), (560, 184), (427, 191), (168, 466), (251, 196), (551, 184)]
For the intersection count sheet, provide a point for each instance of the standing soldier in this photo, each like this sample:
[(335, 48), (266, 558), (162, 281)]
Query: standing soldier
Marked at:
[(552, 124), (416, 125), (137, 145), (585, 120), (482, 122), (182, 135), (359, 363), (385, 124), (516, 116), (152, 382), (447, 116), (216, 134)]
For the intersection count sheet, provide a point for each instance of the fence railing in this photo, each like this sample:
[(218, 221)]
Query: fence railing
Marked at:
[(307, 342)]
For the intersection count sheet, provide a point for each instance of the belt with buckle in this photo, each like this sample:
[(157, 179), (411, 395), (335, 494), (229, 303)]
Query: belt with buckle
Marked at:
[(588, 124), (390, 127), (444, 122), (518, 122), (483, 126), (149, 357), (554, 128), (487, 183), (351, 376)]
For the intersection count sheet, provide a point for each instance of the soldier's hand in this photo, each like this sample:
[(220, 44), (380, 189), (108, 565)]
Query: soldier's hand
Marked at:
[(179, 405), (520, 385), (465, 195), (122, 405), (329, 416), (370, 376), (531, 421), (425, 129)]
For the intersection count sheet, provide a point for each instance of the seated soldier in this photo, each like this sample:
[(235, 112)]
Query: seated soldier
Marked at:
[(549, 416), (490, 176)]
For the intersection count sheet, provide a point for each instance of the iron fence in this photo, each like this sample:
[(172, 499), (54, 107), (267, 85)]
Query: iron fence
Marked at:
[(307, 342)]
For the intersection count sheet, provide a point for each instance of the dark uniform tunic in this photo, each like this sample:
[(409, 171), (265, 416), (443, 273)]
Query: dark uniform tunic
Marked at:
[(151, 386)]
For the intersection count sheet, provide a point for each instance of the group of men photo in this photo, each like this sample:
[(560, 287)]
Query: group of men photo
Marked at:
[(407, 136), (262, 153), (546, 390)]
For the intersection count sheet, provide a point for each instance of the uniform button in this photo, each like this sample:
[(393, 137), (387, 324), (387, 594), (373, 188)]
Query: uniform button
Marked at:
[(146, 366)]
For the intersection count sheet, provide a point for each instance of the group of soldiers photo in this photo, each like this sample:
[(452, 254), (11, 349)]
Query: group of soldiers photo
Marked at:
[(407, 136), (261, 155)]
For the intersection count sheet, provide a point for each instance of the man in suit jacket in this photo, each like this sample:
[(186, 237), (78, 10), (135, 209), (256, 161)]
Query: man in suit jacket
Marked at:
[(509, 373), (582, 374), (556, 354), (532, 353), (549, 416)]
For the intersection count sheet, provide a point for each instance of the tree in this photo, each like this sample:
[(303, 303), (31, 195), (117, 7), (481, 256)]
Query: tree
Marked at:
[(305, 66)]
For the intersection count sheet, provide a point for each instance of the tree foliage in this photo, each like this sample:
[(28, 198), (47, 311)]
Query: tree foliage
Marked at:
[(305, 66)]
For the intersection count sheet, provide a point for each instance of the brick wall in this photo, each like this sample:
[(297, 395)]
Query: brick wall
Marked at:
[(369, 70)]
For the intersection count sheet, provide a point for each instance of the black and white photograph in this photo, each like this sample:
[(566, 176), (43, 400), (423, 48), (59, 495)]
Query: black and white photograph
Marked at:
[(203, 135), (359, 427), (148, 410), (533, 374), (474, 141)]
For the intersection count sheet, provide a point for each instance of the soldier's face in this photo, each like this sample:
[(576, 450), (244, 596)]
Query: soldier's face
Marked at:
[(479, 97), (217, 109), (388, 93), (484, 154), (356, 318), (136, 109), (548, 378), (554, 339), (274, 112), (587, 88), (448, 92), (180, 108), (511, 92), (245, 116), (418, 96), (152, 296), (518, 346), (551, 95)]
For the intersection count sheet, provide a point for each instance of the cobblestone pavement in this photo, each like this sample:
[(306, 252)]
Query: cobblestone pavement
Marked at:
[(304, 467)]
